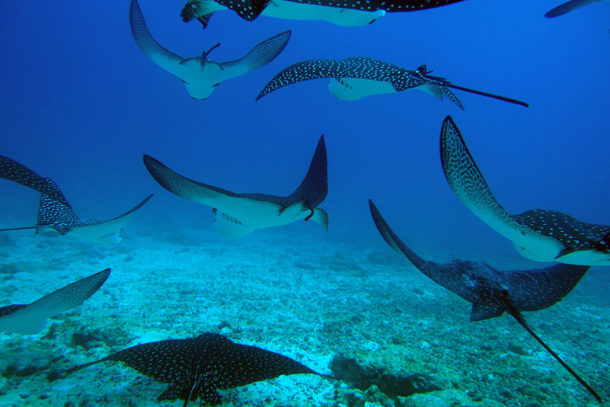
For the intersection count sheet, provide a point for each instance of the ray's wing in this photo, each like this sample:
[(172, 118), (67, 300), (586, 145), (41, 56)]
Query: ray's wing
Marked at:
[(303, 71), (262, 53), (184, 187), (31, 318), (9, 309), (567, 7), (107, 229), (355, 67), (407, 5), (466, 180), (450, 276), (159, 55), (214, 197), (165, 361), (13, 171), (393, 240), (314, 187), (237, 365), (532, 290)]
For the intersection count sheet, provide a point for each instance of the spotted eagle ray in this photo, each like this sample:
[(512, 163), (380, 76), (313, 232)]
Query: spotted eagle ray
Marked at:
[(345, 13), (28, 319), (493, 292), (568, 6), (357, 77), (200, 74), (55, 213), (538, 234), (198, 367), (238, 214)]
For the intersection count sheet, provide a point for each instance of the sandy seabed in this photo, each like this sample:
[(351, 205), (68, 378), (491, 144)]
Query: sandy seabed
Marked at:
[(310, 299)]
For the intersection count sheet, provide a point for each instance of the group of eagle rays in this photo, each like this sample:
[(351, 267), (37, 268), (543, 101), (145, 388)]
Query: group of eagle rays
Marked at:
[(195, 368), (198, 367)]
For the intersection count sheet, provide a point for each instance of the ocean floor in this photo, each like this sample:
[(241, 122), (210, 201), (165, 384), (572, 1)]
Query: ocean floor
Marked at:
[(360, 309)]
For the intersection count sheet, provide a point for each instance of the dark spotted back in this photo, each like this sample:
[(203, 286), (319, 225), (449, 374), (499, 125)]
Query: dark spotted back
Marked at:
[(571, 232), (246, 9), (56, 213), (356, 67), (13, 171)]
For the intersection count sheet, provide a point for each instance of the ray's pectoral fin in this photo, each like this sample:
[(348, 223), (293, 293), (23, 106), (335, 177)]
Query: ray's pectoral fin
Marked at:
[(314, 187), (468, 183), (567, 7), (484, 310), (259, 56)]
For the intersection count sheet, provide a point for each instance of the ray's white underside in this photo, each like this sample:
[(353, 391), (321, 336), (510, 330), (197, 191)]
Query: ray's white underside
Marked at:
[(239, 216), (534, 245), (356, 89)]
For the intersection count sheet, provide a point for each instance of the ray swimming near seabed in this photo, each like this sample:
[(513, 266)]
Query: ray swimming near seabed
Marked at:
[(493, 292), (358, 77), (538, 234), (238, 214), (196, 368), (54, 211), (28, 319), (199, 74), (346, 13)]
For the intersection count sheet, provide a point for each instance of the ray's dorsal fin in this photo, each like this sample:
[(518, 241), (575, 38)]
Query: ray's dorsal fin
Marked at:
[(504, 301)]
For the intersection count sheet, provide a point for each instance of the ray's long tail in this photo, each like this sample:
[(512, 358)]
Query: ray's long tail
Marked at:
[(19, 228), (487, 94), (517, 315)]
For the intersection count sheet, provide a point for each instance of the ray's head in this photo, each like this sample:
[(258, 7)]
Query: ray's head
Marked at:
[(190, 10)]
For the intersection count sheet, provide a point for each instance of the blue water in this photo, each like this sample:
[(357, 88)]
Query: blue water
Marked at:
[(81, 103)]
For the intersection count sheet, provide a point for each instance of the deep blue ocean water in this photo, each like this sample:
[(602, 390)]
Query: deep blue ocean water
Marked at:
[(80, 103)]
